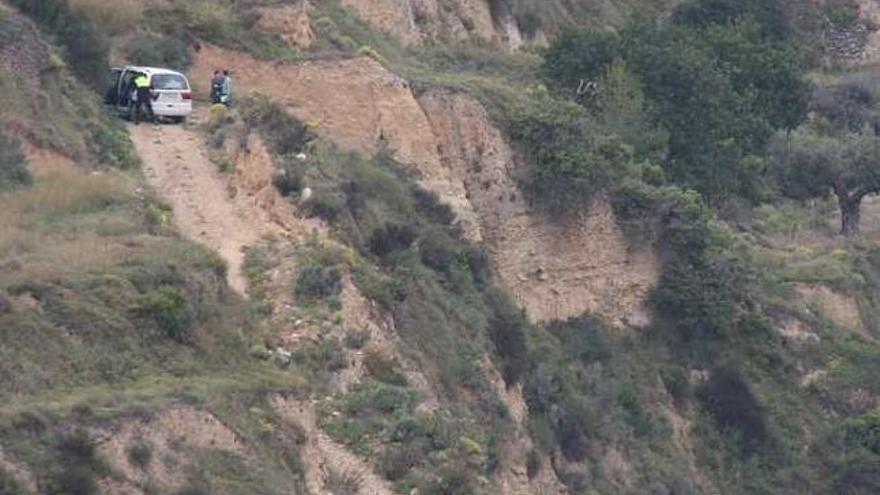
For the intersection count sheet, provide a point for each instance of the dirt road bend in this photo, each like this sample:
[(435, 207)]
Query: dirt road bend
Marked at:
[(178, 169)]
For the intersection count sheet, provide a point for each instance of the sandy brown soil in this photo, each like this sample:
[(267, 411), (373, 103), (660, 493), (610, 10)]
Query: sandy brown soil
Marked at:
[(181, 174), (839, 308), (419, 21)]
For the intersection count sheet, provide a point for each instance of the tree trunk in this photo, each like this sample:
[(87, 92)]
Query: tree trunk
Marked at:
[(850, 214)]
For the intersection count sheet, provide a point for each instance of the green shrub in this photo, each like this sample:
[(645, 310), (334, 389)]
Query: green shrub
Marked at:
[(864, 432), (356, 339), (428, 204), (437, 249), (856, 474), (842, 13), (585, 339), (5, 304), (10, 30), (14, 170), (634, 411), (369, 51), (140, 454), (769, 14), (317, 282), (109, 144), (383, 368), (398, 461), (168, 309), (9, 485), (572, 161), (330, 356), (533, 464), (329, 32), (728, 397), (194, 489), (391, 238), (577, 56), (325, 205), (453, 480), (407, 429), (159, 51), (389, 399), (288, 181), (508, 330), (344, 483), (75, 468), (284, 134), (86, 49), (844, 16), (677, 383), (529, 23), (572, 435)]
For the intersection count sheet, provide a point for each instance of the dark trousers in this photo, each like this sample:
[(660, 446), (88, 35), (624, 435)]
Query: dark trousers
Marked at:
[(144, 100)]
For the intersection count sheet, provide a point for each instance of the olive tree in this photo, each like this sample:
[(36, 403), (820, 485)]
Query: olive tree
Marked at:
[(812, 164)]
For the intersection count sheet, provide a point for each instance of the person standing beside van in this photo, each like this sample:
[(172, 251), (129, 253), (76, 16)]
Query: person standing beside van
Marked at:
[(227, 88), (217, 83), (144, 98)]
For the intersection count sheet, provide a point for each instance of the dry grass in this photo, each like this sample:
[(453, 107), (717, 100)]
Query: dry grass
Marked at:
[(69, 192), (44, 227), (113, 15)]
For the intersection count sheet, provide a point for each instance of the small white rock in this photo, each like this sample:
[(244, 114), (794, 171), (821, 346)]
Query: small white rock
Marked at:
[(306, 194)]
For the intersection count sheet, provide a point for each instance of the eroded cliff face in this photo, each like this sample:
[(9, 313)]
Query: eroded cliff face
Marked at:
[(555, 269), (418, 21), (291, 22)]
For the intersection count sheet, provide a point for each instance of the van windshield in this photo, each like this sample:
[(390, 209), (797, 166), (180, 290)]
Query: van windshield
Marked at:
[(169, 81)]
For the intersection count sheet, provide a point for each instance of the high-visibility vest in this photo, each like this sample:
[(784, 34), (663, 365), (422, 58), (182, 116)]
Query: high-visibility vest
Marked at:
[(141, 82)]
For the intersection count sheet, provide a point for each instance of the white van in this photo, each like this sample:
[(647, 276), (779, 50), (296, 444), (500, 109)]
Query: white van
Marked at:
[(172, 94)]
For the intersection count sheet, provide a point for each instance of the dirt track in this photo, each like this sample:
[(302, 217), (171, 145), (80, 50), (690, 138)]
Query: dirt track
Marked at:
[(180, 172)]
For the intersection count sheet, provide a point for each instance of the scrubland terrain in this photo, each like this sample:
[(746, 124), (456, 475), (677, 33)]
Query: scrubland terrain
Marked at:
[(443, 247)]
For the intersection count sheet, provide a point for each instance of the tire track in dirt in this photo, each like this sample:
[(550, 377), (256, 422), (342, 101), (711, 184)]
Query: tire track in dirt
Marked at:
[(178, 169)]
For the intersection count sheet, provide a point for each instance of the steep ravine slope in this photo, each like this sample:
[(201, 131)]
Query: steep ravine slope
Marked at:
[(555, 271)]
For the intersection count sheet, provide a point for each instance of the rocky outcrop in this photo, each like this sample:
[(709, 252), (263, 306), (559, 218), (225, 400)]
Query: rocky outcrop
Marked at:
[(858, 43), (418, 21)]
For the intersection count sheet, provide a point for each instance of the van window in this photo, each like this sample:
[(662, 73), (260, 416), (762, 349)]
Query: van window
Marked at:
[(169, 81)]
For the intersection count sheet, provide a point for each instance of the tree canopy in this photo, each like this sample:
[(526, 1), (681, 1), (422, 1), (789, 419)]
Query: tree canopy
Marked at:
[(812, 164), (720, 89)]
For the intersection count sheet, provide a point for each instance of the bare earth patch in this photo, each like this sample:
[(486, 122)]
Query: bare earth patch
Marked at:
[(180, 172), (292, 22), (164, 433), (840, 309)]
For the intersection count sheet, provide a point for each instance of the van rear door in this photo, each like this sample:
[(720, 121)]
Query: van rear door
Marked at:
[(111, 95), (171, 94)]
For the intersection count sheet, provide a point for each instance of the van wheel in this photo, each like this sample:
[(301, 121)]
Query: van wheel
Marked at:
[(178, 120)]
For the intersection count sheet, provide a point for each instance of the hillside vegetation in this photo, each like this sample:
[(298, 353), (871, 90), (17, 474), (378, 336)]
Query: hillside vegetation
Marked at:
[(379, 350)]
